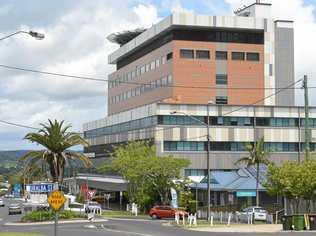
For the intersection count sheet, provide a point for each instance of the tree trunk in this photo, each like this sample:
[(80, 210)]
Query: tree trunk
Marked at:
[(257, 186)]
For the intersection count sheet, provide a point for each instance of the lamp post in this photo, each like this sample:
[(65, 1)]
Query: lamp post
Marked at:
[(36, 35), (207, 124)]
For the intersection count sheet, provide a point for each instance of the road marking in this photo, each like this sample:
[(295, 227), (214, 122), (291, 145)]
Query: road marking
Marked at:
[(126, 232)]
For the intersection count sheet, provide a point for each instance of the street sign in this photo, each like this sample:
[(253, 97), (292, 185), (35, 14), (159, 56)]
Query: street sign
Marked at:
[(40, 188), (246, 193), (56, 200)]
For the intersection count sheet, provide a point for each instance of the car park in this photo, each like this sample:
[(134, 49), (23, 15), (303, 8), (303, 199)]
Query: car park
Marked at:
[(1, 203), (159, 212), (14, 209), (257, 212)]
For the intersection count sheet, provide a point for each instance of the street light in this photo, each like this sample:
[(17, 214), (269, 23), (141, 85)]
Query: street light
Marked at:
[(36, 35), (207, 124)]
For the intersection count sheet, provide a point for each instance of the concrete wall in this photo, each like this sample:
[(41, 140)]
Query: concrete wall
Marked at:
[(284, 62)]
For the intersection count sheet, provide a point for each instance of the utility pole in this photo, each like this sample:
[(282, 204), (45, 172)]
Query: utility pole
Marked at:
[(208, 164), (306, 123)]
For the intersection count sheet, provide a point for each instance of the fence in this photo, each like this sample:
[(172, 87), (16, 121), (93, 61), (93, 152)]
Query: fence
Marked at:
[(232, 217)]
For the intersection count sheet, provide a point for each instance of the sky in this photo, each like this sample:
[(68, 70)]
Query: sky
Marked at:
[(75, 43)]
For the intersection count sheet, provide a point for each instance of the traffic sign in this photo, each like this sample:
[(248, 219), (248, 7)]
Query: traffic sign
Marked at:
[(56, 200)]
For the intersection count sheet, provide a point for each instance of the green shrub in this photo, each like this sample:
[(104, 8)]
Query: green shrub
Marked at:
[(48, 215)]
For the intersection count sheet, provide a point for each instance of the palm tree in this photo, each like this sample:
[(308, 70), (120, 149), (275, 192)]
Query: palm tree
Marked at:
[(257, 156), (57, 140)]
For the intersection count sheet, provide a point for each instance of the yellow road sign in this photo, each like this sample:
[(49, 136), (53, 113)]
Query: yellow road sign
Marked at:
[(56, 200)]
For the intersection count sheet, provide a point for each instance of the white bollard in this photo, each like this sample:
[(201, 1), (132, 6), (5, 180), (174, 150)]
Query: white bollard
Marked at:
[(177, 218), (195, 219), (229, 218), (183, 219), (212, 220), (221, 217), (190, 219)]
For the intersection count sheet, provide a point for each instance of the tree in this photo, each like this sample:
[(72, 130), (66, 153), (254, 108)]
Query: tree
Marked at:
[(293, 181), (149, 177), (57, 140), (257, 155)]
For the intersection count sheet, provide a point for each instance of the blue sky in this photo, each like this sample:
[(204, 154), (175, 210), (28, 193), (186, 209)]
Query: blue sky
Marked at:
[(76, 43)]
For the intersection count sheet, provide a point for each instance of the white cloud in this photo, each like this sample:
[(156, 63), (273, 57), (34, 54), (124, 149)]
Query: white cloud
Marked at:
[(74, 44)]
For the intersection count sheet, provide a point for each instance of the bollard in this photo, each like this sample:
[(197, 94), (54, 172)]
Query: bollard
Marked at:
[(183, 218), (228, 220), (221, 217), (212, 220), (177, 218), (195, 219)]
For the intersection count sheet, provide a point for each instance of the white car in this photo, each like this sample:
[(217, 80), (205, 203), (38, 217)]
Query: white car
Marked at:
[(258, 212), (76, 207), (94, 207), (1, 203)]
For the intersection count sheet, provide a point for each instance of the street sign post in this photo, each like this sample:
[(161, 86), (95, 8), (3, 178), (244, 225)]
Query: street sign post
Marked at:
[(56, 200)]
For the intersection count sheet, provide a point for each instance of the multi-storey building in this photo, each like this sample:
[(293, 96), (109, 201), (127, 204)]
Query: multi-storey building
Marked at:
[(237, 63)]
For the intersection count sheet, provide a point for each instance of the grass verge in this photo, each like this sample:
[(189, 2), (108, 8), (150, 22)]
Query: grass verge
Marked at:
[(123, 214)]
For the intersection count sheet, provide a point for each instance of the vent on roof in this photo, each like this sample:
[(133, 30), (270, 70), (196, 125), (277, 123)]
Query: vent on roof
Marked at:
[(124, 37)]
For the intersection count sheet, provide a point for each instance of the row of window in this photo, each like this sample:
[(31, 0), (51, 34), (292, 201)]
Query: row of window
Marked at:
[(195, 146), (122, 127), (234, 121), (139, 70), (144, 88), (195, 172), (219, 55)]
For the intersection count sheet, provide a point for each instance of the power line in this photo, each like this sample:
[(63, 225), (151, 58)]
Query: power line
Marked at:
[(131, 83)]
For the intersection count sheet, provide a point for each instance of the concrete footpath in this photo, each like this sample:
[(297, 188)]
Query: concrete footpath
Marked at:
[(264, 228)]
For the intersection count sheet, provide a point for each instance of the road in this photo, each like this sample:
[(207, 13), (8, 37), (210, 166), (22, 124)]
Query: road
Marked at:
[(117, 227)]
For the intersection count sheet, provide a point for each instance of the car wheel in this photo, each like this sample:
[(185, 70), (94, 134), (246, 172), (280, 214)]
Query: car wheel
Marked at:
[(154, 216)]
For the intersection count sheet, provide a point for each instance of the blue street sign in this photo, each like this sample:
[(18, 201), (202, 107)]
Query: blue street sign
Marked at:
[(17, 190), (40, 188), (246, 193)]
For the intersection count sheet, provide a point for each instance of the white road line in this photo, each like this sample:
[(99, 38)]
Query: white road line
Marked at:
[(126, 232)]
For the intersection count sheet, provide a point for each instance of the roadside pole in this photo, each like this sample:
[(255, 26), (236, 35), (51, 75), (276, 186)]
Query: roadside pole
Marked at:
[(56, 200), (306, 106)]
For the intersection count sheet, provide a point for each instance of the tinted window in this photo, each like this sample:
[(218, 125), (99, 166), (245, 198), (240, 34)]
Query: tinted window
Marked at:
[(169, 56), (221, 100), (220, 55), (253, 56), (238, 56), (186, 53), (221, 79), (202, 54)]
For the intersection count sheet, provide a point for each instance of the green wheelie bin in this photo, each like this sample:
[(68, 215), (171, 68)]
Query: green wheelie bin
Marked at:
[(298, 222)]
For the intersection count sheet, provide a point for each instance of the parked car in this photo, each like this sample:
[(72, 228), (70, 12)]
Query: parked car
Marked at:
[(76, 207), (1, 203), (8, 195), (93, 207), (258, 212), (15, 209), (159, 212)]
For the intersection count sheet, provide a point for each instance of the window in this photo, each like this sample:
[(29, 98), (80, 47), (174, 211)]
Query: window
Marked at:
[(142, 70), (253, 56), (157, 63), (187, 53), (221, 100), (153, 65), (238, 56), (221, 55), (221, 79), (169, 56), (147, 67), (202, 54)]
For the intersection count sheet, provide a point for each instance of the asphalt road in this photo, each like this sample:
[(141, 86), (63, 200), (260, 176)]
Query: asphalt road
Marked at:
[(116, 227)]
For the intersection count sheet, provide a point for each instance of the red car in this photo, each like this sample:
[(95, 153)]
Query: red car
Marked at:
[(158, 212)]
